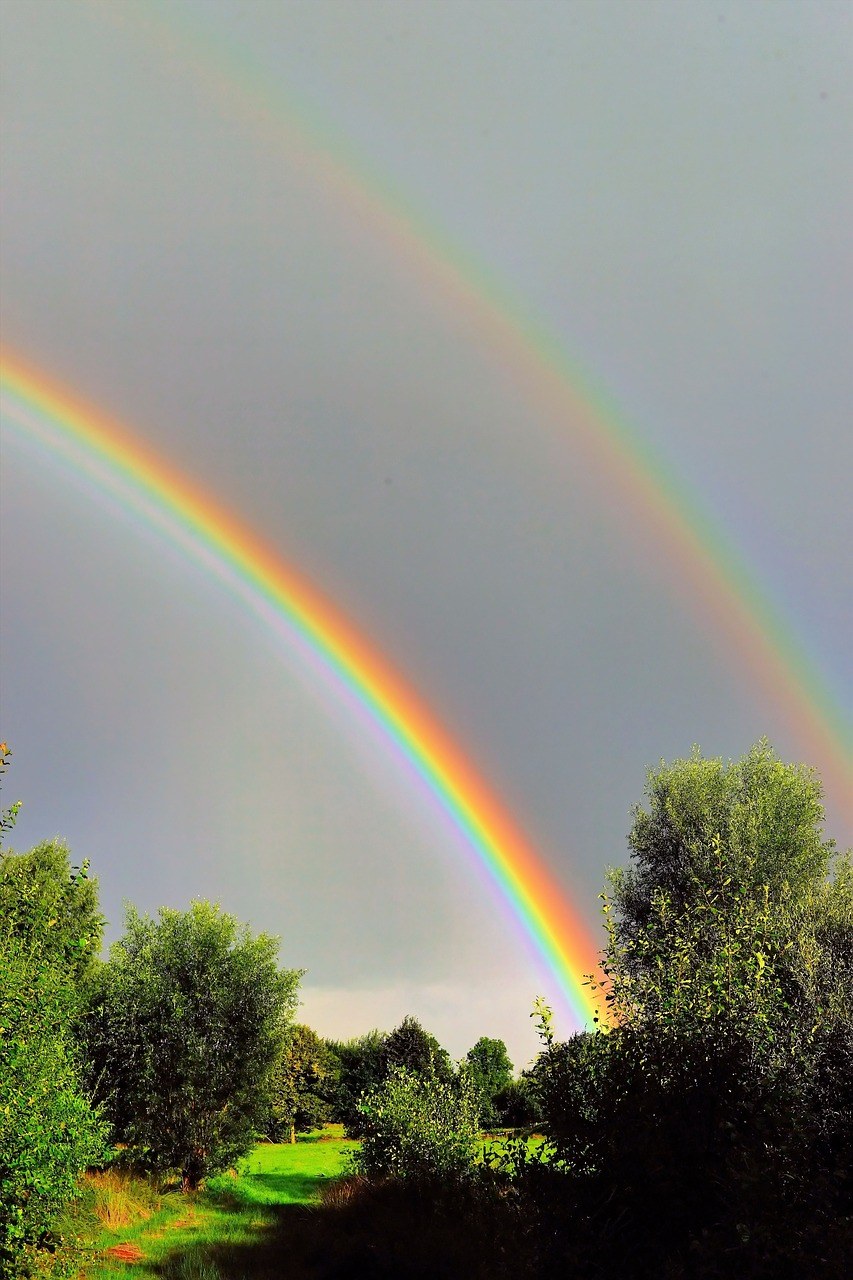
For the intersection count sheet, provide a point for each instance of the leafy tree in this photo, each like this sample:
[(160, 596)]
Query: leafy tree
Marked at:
[(42, 895), (420, 1128), (491, 1072), (48, 1130), (717, 1105), (359, 1068), (187, 1021), (411, 1047), (766, 817), (302, 1081)]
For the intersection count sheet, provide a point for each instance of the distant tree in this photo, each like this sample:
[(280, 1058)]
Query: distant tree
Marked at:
[(302, 1085), (187, 1021), (359, 1069), (411, 1047), (491, 1072)]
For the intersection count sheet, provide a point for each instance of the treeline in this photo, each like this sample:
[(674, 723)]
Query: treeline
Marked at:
[(703, 1127), (173, 1056), (319, 1081)]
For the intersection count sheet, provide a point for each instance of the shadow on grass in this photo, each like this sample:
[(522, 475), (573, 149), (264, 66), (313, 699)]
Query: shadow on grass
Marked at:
[(362, 1232)]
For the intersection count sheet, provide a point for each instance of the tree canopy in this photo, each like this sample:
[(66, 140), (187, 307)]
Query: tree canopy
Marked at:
[(187, 1020)]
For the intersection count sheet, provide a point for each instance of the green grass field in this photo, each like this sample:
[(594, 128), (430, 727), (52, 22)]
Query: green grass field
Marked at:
[(185, 1237)]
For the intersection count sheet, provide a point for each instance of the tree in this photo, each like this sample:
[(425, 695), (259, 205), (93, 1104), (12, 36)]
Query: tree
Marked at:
[(48, 1130), (413, 1048), (491, 1073), (717, 1104), (359, 1068), (187, 1020), (302, 1081), (43, 896), (766, 817)]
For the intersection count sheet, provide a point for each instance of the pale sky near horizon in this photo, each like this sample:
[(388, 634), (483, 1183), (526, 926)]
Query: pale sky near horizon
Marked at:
[(665, 188)]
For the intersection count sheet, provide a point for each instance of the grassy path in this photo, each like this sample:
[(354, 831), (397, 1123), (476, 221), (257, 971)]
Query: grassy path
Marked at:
[(177, 1237)]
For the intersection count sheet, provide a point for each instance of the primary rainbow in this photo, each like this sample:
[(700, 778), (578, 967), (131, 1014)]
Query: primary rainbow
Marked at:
[(37, 410), (700, 558)]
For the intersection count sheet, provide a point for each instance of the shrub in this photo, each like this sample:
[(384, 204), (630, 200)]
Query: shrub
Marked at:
[(48, 1131), (420, 1128)]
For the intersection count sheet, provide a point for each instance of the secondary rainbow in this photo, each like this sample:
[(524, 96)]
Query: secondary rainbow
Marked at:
[(704, 565), (109, 453)]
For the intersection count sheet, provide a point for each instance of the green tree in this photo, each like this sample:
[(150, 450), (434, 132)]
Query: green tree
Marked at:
[(411, 1047), (42, 895), (717, 1104), (359, 1068), (187, 1020), (491, 1072), (764, 815), (301, 1086), (48, 1130)]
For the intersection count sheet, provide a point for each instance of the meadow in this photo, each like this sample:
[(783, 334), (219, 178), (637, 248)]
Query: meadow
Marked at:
[(126, 1226)]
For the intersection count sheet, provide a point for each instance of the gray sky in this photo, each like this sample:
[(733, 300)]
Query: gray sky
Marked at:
[(666, 187)]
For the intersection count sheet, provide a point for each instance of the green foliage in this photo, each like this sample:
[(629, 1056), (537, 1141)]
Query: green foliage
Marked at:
[(419, 1127), (186, 1022), (411, 1047), (303, 1079), (766, 816), (359, 1068), (43, 896), (491, 1072), (717, 1105), (48, 1131)]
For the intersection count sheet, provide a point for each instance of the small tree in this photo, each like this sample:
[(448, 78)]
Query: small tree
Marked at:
[(187, 1020), (359, 1068)]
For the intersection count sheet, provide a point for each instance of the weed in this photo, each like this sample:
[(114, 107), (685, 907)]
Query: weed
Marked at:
[(119, 1198)]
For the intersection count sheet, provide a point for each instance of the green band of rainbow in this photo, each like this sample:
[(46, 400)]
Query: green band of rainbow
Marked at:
[(35, 409)]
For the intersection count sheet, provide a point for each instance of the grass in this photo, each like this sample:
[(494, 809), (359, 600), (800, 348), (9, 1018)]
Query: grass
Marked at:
[(128, 1229), (286, 1211)]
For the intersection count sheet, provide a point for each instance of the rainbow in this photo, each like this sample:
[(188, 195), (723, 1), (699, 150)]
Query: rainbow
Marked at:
[(704, 565), (35, 410)]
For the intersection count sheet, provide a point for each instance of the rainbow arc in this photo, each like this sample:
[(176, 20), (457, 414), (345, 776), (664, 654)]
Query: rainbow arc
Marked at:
[(148, 486)]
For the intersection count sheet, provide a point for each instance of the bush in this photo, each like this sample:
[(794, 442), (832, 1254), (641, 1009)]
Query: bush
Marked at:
[(48, 1131), (420, 1128)]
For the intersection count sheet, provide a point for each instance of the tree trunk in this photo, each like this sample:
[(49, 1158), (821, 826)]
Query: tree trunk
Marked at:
[(293, 1133), (192, 1172)]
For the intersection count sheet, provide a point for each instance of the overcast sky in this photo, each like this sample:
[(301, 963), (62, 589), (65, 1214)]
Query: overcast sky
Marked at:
[(666, 188)]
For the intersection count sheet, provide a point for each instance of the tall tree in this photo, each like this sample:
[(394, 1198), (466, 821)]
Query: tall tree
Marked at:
[(48, 1130), (491, 1073), (718, 1104), (187, 1020), (302, 1085)]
